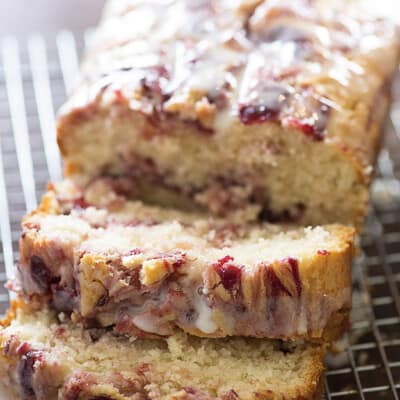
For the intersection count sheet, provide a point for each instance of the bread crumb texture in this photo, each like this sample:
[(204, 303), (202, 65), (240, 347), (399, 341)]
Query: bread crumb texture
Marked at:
[(42, 358)]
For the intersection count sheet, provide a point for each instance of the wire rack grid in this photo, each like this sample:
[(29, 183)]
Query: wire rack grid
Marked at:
[(36, 74)]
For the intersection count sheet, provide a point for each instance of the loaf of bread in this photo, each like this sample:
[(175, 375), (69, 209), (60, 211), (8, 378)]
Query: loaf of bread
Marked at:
[(224, 104), (45, 357), (144, 270)]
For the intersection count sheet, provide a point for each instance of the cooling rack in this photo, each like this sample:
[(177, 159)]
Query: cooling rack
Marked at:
[(36, 74)]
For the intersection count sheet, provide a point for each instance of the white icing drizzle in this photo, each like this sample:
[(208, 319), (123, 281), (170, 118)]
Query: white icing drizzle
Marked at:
[(202, 47), (204, 321), (146, 323)]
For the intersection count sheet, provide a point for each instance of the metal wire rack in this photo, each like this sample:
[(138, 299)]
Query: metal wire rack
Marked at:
[(35, 75)]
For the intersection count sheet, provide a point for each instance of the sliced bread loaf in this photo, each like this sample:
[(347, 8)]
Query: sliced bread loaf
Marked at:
[(114, 262), (42, 358)]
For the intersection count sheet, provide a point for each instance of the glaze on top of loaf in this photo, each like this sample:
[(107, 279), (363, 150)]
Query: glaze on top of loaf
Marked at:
[(208, 61)]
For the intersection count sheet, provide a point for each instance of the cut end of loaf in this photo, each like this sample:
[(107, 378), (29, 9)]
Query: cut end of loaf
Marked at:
[(273, 175)]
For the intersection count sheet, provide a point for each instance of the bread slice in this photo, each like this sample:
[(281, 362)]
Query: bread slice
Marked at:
[(276, 104), (114, 262), (42, 358)]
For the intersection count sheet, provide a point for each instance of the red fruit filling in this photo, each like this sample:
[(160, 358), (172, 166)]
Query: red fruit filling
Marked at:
[(275, 286), (176, 259), (40, 273), (293, 215), (269, 98), (134, 252), (274, 283), (26, 369), (229, 273), (313, 126), (80, 202), (119, 95), (323, 252), (256, 114), (294, 265)]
